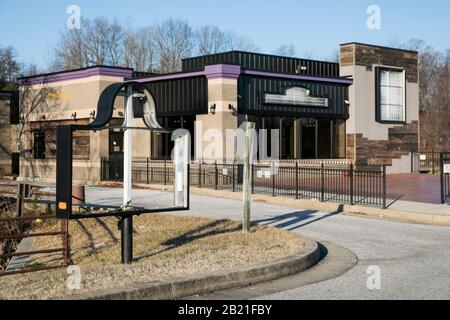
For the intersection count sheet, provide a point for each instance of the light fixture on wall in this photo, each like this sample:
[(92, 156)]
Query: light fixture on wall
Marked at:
[(92, 114), (74, 116), (232, 109), (212, 109)]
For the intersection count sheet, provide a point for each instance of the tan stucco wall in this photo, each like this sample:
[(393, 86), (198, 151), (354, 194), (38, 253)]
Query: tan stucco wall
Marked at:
[(221, 92), (80, 96), (362, 104)]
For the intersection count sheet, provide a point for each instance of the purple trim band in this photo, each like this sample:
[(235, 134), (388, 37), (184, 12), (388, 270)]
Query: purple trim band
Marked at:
[(211, 72), (223, 71), (170, 77), (234, 71), (5, 95), (297, 77), (78, 74)]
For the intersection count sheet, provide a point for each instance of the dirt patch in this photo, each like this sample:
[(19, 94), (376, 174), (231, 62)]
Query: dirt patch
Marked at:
[(165, 247)]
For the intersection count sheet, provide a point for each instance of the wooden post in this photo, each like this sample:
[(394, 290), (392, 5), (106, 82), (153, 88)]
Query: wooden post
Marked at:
[(247, 183)]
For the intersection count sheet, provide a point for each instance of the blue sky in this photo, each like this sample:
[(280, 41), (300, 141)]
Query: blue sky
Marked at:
[(314, 27)]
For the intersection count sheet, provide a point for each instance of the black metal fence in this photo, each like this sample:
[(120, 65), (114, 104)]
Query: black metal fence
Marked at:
[(445, 177), (426, 162), (341, 184)]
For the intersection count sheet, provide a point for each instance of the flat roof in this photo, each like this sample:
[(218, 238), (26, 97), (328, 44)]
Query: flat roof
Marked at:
[(376, 46), (260, 54), (98, 70)]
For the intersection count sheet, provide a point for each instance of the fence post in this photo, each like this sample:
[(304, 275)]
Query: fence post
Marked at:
[(384, 187), (19, 201), (253, 178), (233, 176), (322, 182), (200, 174), (216, 176), (432, 162), (115, 170), (102, 170), (352, 201), (148, 163), (273, 178), (296, 180), (165, 170), (441, 158)]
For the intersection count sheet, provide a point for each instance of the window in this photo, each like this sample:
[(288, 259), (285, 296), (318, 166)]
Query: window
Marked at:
[(390, 95), (39, 144)]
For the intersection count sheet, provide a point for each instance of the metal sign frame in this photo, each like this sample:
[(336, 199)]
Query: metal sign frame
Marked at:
[(64, 160)]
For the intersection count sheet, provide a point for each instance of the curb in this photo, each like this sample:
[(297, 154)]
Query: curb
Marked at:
[(370, 212), (184, 287)]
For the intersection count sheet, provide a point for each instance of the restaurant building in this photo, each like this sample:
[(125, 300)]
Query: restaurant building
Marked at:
[(362, 110)]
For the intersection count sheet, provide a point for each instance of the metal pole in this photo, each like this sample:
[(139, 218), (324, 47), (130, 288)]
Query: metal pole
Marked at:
[(296, 180), (126, 228), (233, 175), (432, 162), (441, 157), (352, 202), (127, 222), (200, 174), (216, 176), (165, 170), (322, 183), (384, 187), (273, 179), (19, 201), (148, 171)]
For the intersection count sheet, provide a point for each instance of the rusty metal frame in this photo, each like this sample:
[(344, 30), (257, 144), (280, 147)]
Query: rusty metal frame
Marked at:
[(64, 249)]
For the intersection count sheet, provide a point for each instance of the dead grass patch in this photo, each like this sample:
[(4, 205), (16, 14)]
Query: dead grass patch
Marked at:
[(165, 247)]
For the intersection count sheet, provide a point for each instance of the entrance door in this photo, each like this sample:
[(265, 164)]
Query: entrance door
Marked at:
[(115, 161), (308, 138)]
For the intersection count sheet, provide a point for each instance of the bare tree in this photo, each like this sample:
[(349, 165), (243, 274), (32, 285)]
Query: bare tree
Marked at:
[(210, 39), (286, 50), (9, 68), (33, 100), (140, 49), (98, 42), (241, 43), (70, 51), (434, 96), (175, 40)]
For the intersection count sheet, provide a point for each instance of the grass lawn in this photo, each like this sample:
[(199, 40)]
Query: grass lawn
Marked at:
[(165, 247)]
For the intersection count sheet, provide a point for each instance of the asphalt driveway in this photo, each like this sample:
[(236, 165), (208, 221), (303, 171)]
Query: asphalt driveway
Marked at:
[(413, 260)]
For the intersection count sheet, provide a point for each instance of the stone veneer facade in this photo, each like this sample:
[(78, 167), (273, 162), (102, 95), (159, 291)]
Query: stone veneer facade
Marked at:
[(370, 142)]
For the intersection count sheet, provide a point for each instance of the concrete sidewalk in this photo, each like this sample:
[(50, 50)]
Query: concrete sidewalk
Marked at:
[(403, 211), (421, 207)]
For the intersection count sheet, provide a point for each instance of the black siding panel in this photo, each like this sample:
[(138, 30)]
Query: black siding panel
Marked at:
[(263, 62), (252, 90), (188, 96)]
